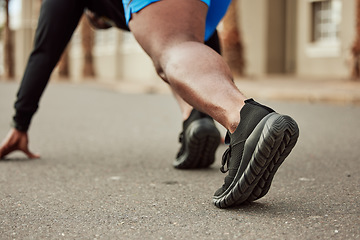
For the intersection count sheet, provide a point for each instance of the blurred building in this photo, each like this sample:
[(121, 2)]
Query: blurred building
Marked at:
[(309, 38), (300, 37), (117, 56)]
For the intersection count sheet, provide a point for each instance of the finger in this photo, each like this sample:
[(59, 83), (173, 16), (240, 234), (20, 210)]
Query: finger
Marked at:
[(31, 155)]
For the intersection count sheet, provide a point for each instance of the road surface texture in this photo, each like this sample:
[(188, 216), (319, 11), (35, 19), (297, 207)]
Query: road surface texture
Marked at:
[(106, 173)]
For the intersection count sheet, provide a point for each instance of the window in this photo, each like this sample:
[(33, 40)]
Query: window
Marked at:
[(326, 18)]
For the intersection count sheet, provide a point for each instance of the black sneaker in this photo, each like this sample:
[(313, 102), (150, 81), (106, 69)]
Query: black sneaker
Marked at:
[(200, 138), (257, 148)]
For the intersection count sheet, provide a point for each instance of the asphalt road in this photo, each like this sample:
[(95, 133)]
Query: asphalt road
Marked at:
[(106, 173)]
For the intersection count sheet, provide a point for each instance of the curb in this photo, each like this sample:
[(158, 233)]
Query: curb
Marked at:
[(331, 91)]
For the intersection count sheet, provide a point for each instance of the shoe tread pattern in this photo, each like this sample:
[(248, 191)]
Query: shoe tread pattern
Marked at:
[(202, 140), (263, 186), (277, 139)]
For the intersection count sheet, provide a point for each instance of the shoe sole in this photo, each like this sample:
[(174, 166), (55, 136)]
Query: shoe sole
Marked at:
[(202, 139), (267, 147)]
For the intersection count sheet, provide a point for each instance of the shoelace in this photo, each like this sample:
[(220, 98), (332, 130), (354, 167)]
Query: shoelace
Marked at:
[(226, 157)]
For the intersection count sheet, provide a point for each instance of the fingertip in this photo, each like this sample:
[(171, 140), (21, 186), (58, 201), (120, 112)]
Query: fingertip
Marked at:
[(31, 155), (34, 156)]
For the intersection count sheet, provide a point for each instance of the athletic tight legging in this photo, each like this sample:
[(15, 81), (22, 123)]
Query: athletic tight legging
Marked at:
[(57, 22)]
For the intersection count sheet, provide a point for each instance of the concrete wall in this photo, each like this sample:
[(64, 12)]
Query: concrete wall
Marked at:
[(331, 62), (24, 35), (122, 59), (136, 64), (267, 48), (253, 18), (107, 64), (117, 59), (277, 39)]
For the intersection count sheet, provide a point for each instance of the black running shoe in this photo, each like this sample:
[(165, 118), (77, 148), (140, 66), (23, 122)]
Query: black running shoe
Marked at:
[(257, 148), (200, 138)]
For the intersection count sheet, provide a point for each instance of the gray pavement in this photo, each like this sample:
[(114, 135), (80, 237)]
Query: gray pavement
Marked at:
[(283, 88), (106, 173)]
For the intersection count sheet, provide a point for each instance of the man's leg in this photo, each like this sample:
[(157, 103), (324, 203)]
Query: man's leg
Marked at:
[(172, 33), (199, 137), (214, 43)]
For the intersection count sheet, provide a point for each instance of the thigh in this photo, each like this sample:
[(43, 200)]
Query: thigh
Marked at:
[(216, 11), (166, 23)]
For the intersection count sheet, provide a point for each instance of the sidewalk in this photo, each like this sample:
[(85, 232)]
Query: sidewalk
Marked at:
[(284, 88), (296, 89)]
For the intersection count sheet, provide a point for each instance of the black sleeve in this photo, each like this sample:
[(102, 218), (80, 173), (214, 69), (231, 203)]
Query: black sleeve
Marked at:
[(57, 22)]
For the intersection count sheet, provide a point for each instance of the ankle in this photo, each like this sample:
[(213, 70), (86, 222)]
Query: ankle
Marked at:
[(234, 120), (234, 124), (249, 115), (186, 113)]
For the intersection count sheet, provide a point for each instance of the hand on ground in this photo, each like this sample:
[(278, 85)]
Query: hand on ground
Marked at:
[(16, 140)]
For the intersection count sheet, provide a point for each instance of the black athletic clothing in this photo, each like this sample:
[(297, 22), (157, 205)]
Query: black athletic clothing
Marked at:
[(57, 22)]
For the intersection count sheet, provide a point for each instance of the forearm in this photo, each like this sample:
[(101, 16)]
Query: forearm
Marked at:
[(32, 86), (57, 22)]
